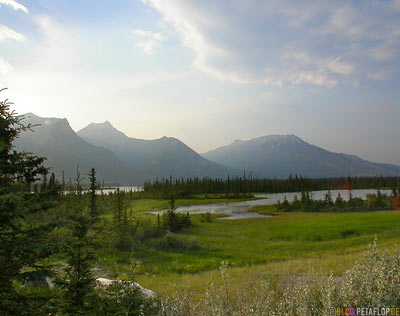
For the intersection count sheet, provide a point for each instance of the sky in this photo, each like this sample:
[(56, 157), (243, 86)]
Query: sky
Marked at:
[(209, 72)]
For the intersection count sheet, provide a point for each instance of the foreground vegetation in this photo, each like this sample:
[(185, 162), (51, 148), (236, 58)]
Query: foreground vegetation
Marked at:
[(372, 282), (286, 243)]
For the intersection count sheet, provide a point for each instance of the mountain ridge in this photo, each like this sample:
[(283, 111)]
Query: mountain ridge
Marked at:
[(280, 155), (54, 139), (165, 156), (120, 158)]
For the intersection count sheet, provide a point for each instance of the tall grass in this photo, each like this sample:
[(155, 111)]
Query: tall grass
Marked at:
[(374, 281)]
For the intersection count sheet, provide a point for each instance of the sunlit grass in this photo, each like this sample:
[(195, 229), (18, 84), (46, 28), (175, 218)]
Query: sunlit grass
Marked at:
[(284, 244)]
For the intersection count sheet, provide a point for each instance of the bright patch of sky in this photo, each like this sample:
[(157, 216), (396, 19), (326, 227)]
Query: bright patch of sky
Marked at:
[(208, 72)]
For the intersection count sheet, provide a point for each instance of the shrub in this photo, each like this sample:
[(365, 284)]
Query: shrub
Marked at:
[(121, 298), (206, 217), (174, 221), (173, 242)]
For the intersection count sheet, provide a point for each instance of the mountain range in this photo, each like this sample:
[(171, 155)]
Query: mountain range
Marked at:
[(54, 139), (282, 155), (162, 157), (118, 159), (122, 160)]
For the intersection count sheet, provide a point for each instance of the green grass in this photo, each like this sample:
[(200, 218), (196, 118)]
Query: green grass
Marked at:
[(265, 210), (285, 242)]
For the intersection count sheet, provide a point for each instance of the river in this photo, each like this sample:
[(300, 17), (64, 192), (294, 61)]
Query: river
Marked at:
[(239, 210)]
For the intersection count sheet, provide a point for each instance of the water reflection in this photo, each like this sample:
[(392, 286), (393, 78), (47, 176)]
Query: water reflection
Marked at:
[(239, 210)]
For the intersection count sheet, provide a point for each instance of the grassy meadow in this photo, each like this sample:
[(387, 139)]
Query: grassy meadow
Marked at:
[(287, 243)]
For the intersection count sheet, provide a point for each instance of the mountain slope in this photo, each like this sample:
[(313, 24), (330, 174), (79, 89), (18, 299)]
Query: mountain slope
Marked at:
[(64, 150), (280, 155), (163, 157)]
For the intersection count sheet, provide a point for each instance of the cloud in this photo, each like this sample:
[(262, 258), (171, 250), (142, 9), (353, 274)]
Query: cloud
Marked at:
[(285, 42), (5, 67), (14, 4), (149, 41), (6, 33), (211, 100), (64, 72)]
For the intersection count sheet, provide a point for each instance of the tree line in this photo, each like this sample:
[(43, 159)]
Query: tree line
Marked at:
[(239, 187), (374, 201)]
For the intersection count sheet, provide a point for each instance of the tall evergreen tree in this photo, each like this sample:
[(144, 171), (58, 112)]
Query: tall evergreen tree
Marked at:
[(23, 242), (78, 282), (93, 196)]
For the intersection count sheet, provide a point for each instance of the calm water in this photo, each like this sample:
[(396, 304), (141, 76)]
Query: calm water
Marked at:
[(238, 210), (114, 189)]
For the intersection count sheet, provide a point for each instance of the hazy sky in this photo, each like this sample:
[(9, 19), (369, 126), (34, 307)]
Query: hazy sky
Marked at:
[(211, 71)]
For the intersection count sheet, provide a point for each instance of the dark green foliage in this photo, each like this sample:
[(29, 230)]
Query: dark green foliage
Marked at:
[(206, 218), (285, 204), (121, 298), (173, 221), (376, 201), (124, 230), (93, 197), (15, 167), (172, 203), (78, 282), (23, 233), (242, 187), (174, 242), (78, 293), (122, 224), (339, 202)]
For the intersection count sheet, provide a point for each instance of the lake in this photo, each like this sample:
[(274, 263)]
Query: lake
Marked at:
[(114, 189)]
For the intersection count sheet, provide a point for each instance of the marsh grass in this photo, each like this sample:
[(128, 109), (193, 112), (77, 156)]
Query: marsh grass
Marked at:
[(286, 237), (287, 243), (373, 281)]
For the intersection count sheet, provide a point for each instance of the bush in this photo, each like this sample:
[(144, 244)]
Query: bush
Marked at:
[(173, 242), (206, 217), (121, 298), (176, 222)]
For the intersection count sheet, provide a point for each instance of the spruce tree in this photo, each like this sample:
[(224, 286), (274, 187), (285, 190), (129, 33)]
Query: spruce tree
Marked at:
[(23, 237), (93, 196), (78, 282)]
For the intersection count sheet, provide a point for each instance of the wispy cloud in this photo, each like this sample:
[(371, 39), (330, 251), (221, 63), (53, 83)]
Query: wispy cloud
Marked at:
[(211, 100), (148, 41), (7, 33), (5, 67), (14, 4), (65, 62), (287, 42)]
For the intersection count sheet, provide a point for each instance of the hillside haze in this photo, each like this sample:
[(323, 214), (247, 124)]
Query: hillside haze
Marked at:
[(54, 138), (123, 160), (163, 157), (282, 155)]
